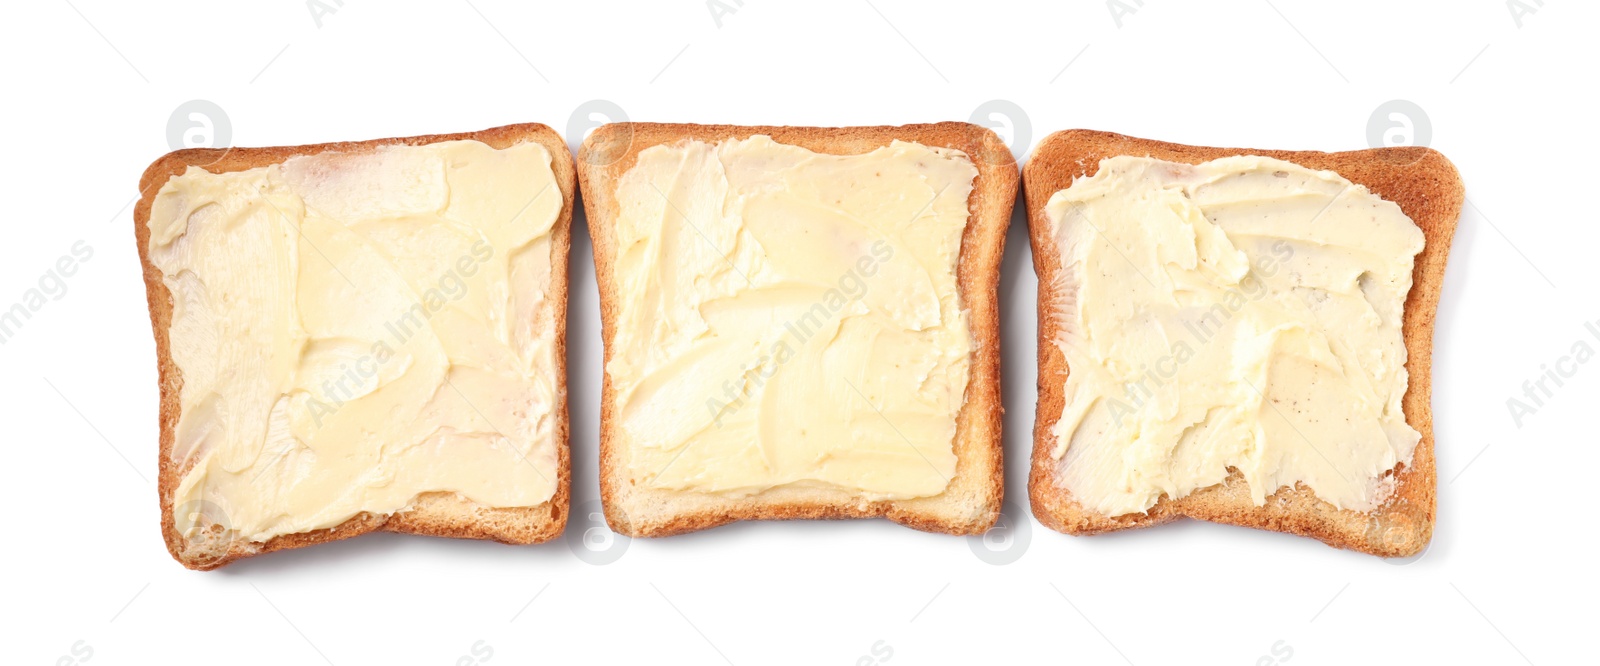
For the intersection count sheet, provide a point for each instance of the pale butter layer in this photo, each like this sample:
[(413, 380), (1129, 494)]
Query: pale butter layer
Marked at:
[(355, 329), (790, 318), (1243, 313)]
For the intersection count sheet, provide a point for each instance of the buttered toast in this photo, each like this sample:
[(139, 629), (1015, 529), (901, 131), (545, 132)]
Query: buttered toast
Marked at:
[(360, 336), (798, 322), (1239, 336)]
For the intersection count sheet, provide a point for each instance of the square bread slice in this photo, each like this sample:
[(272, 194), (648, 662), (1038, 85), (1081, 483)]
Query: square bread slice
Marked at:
[(324, 313), (1399, 523), (718, 249)]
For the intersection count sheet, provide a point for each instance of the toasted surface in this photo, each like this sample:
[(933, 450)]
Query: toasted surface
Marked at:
[(1427, 188), (971, 502), (432, 514)]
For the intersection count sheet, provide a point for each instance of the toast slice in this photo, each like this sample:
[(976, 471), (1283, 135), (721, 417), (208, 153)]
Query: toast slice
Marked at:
[(969, 502), (200, 533), (1427, 189)]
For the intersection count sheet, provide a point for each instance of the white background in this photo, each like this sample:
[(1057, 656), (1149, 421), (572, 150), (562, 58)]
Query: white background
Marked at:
[(89, 89)]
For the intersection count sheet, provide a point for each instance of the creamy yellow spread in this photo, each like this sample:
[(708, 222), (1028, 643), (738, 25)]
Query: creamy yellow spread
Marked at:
[(1244, 313), (356, 329), (790, 318)]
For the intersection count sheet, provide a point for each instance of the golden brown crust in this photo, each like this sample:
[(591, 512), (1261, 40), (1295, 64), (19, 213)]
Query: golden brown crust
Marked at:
[(1426, 187), (434, 514), (971, 504)]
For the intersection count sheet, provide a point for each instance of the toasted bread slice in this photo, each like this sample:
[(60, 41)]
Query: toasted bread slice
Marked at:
[(1426, 187), (447, 514), (970, 502)]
